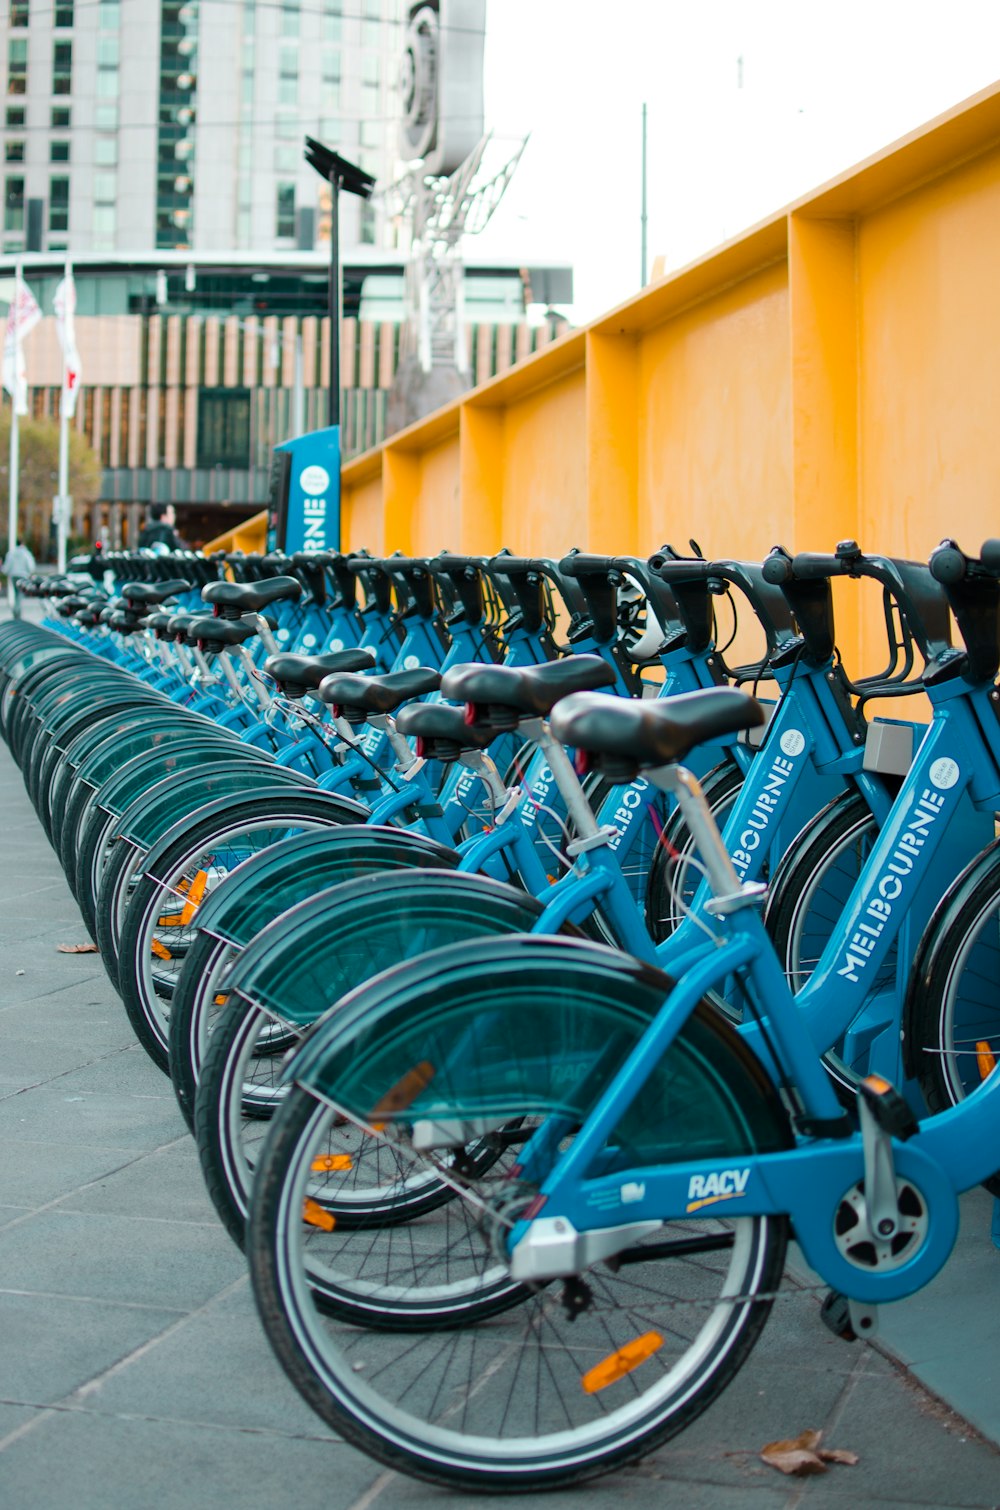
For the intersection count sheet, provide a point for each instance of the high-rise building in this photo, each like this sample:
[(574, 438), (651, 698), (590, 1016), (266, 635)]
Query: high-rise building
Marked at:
[(134, 125)]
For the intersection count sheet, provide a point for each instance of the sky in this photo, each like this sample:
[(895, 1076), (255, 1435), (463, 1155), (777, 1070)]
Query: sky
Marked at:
[(749, 106)]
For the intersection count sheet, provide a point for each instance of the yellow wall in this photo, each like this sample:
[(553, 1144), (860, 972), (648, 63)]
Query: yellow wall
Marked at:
[(832, 373), (714, 436)]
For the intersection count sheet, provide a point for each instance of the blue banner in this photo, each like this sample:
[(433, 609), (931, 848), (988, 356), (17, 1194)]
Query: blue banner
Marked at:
[(312, 519)]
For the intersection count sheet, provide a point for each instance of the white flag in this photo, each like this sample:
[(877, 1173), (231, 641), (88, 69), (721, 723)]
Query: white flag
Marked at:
[(22, 316), (64, 303)]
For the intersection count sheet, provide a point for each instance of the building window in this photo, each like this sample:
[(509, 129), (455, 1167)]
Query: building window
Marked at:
[(370, 75), (332, 12), (108, 51), (223, 427), (286, 128), (285, 220), (290, 18), (62, 68), (61, 117), (64, 12), (106, 117), (286, 159), (58, 204), (367, 224), (103, 227), (106, 151), (331, 128), (108, 15), (371, 25), (107, 83), (58, 152), (18, 12), (15, 116), (14, 152), (17, 65), (105, 187), (331, 79), (13, 204)]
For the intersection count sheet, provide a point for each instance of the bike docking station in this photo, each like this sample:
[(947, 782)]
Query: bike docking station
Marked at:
[(304, 503)]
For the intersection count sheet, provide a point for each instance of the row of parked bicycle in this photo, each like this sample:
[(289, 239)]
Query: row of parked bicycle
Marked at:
[(409, 871)]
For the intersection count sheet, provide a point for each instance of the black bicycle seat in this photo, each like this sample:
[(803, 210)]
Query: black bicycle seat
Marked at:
[(235, 598), (298, 674), (377, 694), (621, 736)]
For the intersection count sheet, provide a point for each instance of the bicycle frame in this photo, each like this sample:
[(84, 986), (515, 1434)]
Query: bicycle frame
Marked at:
[(953, 1152)]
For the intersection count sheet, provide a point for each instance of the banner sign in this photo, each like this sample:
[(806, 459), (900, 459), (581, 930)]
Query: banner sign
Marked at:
[(311, 513)]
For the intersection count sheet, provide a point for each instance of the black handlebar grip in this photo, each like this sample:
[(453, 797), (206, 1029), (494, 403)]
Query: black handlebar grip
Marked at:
[(990, 556), (581, 564), (809, 567)]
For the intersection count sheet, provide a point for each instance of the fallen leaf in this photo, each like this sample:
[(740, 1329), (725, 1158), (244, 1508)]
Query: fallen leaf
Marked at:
[(803, 1455), (76, 948)]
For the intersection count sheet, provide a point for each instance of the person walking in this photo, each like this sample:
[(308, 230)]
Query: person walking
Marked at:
[(18, 562), (159, 529)]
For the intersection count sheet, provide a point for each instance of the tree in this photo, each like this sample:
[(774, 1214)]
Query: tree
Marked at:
[(39, 476)]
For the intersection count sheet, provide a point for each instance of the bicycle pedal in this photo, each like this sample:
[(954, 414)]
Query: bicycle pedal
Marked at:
[(835, 1313), (889, 1110), (849, 1320)]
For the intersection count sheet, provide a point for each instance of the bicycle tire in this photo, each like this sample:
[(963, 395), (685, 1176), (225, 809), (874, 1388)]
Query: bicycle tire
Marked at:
[(808, 896), (351, 931), (251, 899), (951, 1018), (231, 825)]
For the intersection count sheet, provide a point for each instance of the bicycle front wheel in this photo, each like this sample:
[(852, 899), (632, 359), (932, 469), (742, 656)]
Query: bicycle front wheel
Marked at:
[(952, 1014)]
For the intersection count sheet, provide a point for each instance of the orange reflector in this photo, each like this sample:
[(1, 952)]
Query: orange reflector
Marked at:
[(621, 1363), (160, 950), (195, 892), (314, 1214), (330, 1161), (221, 999), (986, 1059), (877, 1084), (406, 1090)]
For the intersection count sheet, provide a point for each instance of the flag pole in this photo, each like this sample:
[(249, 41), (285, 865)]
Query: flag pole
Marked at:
[(62, 523), (15, 452)]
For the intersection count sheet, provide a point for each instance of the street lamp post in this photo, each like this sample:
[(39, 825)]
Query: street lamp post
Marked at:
[(339, 174)]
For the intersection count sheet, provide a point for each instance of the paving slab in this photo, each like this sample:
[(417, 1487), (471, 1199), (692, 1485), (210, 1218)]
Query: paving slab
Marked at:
[(54, 1343)]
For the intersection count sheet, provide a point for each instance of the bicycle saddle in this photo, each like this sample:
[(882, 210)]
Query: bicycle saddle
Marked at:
[(215, 635), (619, 737), (298, 674), (159, 623), (532, 690), (441, 732), (154, 592), (377, 694), (232, 599)]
